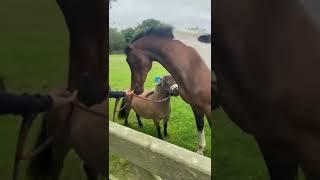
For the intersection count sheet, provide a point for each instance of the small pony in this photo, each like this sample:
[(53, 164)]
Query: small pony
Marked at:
[(152, 104)]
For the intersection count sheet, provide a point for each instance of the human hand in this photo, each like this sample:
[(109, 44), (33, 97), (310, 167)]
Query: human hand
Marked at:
[(61, 97), (129, 92)]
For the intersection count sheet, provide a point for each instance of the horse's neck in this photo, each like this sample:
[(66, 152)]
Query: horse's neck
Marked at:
[(156, 52)]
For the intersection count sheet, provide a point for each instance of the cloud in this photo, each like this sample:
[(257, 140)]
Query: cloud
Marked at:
[(180, 13)]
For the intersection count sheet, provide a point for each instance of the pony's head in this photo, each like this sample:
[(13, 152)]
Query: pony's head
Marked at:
[(168, 85), (140, 64)]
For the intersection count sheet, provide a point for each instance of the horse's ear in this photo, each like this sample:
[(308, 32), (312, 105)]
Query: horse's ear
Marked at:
[(128, 49)]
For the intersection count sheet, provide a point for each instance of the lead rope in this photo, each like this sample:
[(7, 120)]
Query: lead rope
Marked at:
[(146, 99)]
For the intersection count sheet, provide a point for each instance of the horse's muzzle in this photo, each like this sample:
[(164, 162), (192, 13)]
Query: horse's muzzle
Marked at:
[(138, 91)]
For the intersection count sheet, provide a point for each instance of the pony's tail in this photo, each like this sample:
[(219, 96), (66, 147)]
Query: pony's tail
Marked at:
[(122, 114), (40, 165)]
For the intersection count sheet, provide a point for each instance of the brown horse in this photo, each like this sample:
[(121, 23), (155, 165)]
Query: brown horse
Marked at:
[(182, 62), (81, 126), (214, 88), (267, 66)]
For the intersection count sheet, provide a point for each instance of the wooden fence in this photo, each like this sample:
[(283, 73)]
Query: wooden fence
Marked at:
[(157, 159)]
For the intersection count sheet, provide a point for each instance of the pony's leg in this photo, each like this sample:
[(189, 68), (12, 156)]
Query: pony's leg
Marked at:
[(91, 174), (165, 125), (128, 109), (281, 162), (126, 118), (157, 124), (139, 121), (201, 136)]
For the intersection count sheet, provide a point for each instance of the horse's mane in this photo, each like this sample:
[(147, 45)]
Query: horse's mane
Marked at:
[(164, 31)]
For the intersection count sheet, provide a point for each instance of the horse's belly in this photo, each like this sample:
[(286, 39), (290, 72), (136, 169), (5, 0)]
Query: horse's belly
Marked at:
[(149, 111)]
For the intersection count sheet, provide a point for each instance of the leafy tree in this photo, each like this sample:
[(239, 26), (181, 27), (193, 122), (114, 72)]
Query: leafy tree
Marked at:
[(117, 42), (146, 24), (128, 34)]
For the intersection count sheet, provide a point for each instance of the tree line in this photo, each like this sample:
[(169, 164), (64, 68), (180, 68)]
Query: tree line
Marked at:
[(119, 39)]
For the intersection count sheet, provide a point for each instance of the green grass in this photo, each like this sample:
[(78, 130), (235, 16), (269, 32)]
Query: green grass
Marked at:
[(236, 156), (181, 127), (33, 58)]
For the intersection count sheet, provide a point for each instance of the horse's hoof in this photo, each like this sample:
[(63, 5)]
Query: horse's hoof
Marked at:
[(140, 125)]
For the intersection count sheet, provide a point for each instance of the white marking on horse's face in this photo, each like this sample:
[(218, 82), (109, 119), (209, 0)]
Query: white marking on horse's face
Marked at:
[(173, 87), (312, 9)]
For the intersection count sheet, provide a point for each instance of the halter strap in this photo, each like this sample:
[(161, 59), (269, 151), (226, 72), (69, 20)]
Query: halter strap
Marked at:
[(155, 101)]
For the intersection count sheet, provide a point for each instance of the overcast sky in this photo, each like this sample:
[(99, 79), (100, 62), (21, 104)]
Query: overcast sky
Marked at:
[(179, 13)]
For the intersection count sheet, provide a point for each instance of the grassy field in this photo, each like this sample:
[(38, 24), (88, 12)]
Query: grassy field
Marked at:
[(181, 127), (236, 156), (34, 57)]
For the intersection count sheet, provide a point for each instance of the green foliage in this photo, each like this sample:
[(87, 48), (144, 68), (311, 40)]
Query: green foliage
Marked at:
[(117, 42), (146, 24), (128, 34)]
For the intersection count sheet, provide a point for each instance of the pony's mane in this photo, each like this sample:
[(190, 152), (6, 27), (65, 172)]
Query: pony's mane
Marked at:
[(160, 31)]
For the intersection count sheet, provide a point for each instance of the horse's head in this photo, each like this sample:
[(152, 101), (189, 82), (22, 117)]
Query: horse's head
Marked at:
[(169, 85), (140, 64), (205, 38)]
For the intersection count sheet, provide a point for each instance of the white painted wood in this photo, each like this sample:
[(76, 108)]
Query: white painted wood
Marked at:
[(156, 156)]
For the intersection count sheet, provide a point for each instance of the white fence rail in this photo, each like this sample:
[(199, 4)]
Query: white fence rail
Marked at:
[(157, 157)]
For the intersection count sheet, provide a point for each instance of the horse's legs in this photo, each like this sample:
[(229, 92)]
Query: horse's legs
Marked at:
[(127, 115), (91, 174), (165, 125), (201, 136), (281, 162), (157, 124), (139, 121), (208, 114)]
